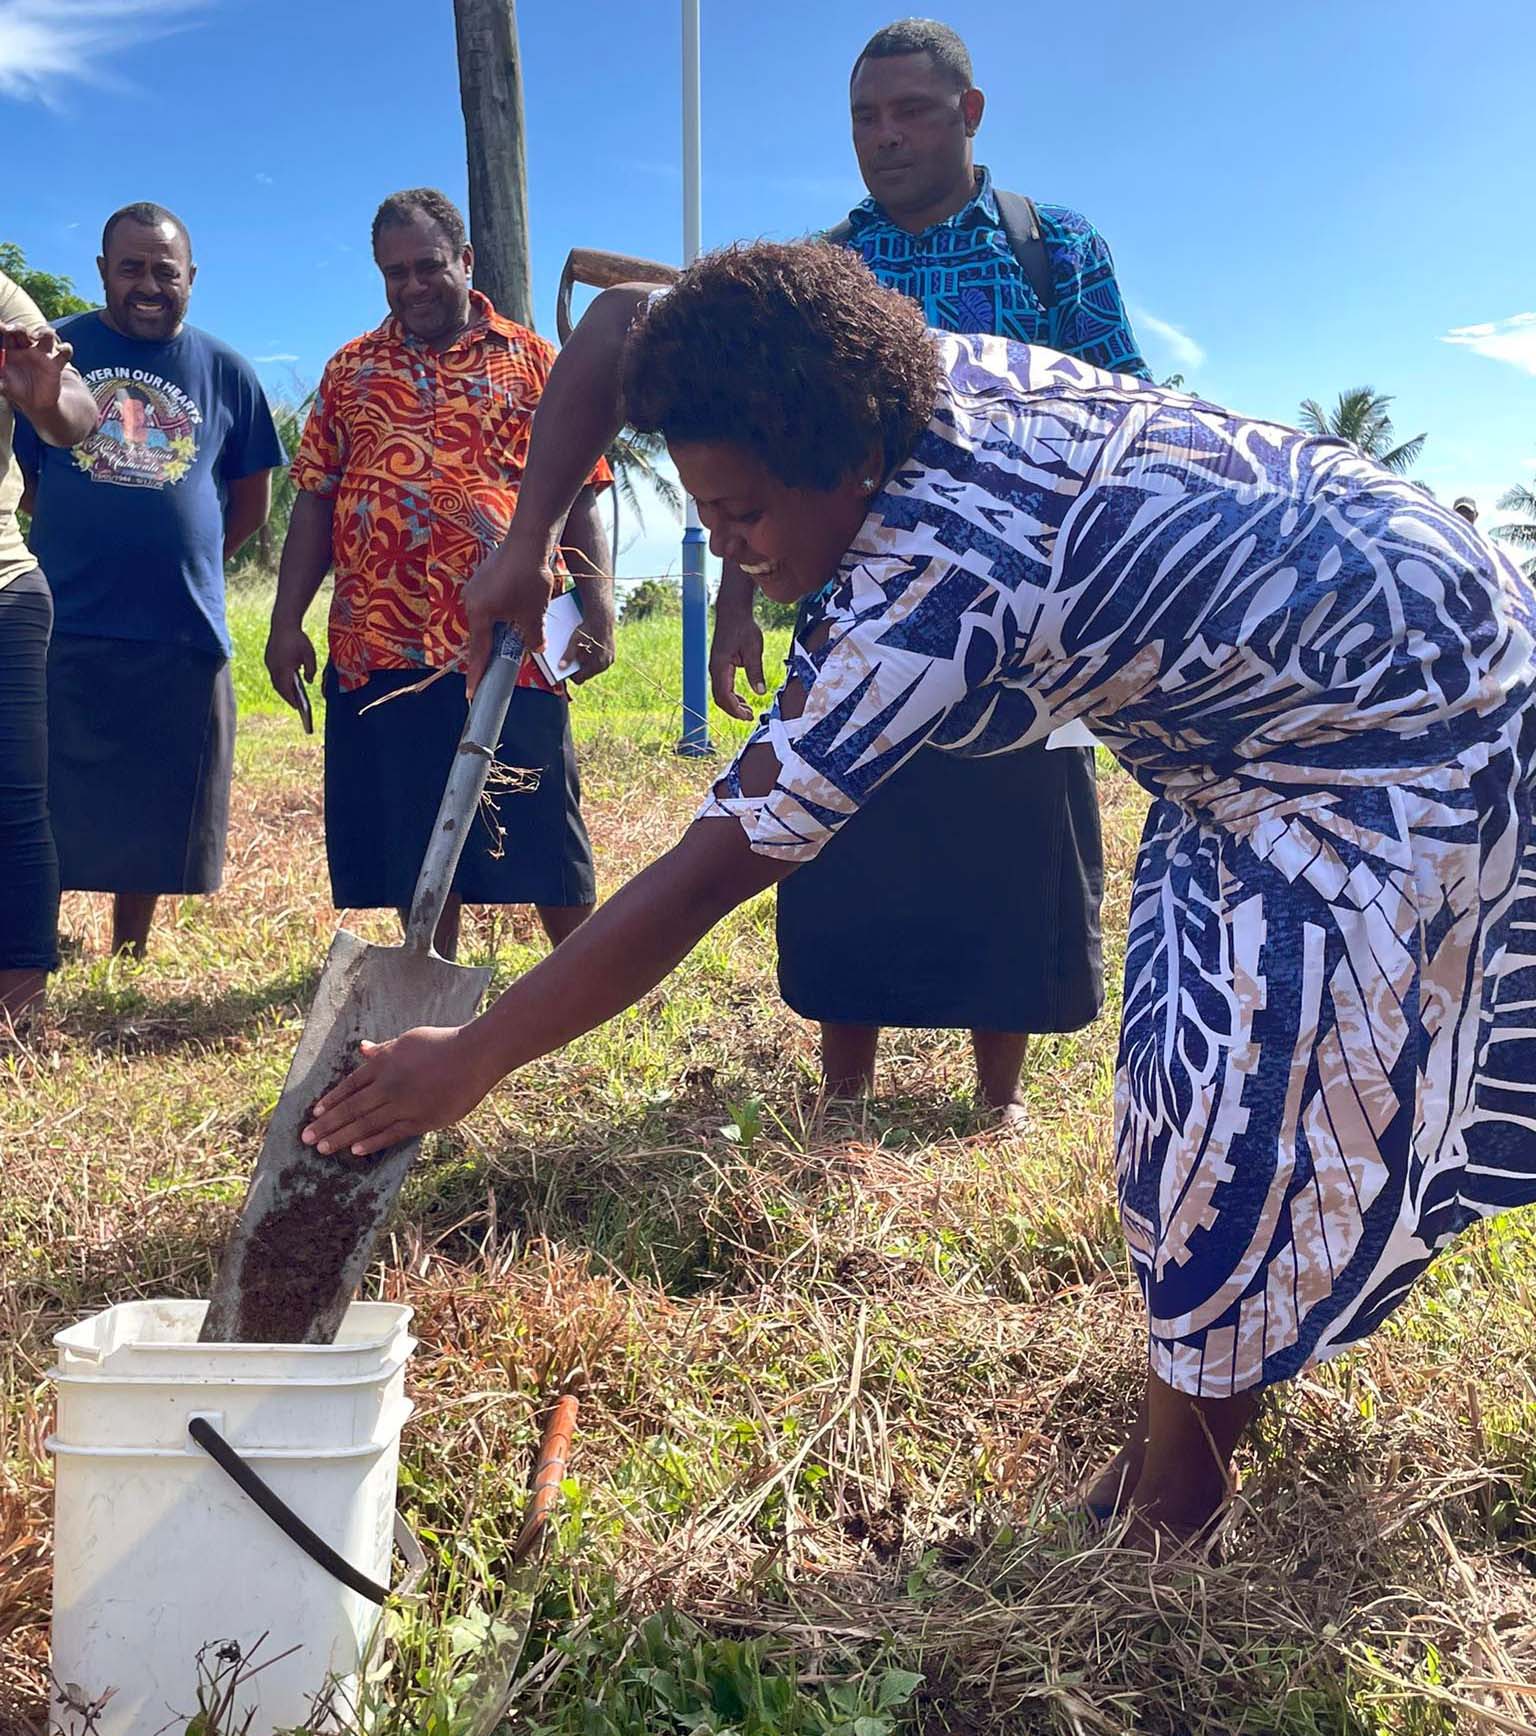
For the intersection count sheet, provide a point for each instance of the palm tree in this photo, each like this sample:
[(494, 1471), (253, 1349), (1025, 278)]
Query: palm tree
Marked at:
[(1361, 418), (290, 417), (1522, 533), (635, 457)]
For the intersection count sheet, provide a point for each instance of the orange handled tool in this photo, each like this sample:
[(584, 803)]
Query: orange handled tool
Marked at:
[(548, 1475)]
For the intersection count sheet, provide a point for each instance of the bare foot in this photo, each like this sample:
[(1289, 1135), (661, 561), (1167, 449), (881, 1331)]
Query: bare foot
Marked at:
[(1168, 1541), (993, 1118), (23, 995), (1179, 1522), (1111, 1488)]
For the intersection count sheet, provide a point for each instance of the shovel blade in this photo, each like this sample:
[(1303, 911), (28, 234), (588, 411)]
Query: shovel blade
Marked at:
[(307, 1229)]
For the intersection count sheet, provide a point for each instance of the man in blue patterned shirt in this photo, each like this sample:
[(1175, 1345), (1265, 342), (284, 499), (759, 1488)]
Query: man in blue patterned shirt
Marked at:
[(913, 138), (948, 845)]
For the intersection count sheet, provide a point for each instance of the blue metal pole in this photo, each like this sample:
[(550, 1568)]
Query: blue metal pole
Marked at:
[(695, 738)]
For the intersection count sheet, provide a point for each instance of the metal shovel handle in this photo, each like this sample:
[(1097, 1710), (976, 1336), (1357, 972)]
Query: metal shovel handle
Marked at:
[(466, 782)]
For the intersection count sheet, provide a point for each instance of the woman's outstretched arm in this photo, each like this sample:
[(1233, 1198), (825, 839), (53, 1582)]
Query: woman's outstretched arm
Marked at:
[(429, 1078)]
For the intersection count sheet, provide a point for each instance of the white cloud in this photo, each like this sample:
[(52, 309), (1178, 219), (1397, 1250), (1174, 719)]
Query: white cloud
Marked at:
[(1180, 346), (266, 180), (1501, 340), (46, 43), (281, 356)]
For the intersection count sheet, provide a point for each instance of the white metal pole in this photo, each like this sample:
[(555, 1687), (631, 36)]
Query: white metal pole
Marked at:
[(692, 192), (695, 738)]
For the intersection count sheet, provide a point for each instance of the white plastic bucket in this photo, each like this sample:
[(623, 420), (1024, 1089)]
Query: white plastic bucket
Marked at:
[(157, 1552)]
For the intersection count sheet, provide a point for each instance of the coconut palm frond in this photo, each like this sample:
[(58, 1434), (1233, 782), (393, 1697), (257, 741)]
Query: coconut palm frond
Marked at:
[(1313, 417), (1362, 416), (1520, 533), (635, 457), (1401, 458)]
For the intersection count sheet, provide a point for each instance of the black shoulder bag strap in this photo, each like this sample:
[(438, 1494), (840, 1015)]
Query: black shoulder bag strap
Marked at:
[(1021, 224)]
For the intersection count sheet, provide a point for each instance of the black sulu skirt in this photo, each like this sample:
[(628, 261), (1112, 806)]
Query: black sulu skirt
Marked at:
[(141, 746), (384, 774), (964, 895)]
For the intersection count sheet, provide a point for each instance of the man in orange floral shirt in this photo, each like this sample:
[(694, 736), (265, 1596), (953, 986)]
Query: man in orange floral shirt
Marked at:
[(408, 475)]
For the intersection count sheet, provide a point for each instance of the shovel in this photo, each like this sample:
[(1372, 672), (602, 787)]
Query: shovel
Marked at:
[(602, 270), (308, 1225)]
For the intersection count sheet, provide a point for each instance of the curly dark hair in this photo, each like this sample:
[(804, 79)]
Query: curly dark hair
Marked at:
[(399, 208), (795, 354)]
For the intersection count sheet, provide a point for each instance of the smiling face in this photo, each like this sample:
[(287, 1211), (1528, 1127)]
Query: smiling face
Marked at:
[(788, 540), (426, 282), (146, 278), (912, 132)]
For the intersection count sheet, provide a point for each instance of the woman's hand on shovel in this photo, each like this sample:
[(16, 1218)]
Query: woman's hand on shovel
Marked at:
[(513, 585), (414, 1084)]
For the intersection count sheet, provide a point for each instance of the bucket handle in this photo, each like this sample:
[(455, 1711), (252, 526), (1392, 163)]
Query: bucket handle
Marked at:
[(283, 1516)]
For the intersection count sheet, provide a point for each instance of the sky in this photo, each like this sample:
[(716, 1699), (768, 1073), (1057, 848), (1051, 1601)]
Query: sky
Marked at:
[(1300, 197)]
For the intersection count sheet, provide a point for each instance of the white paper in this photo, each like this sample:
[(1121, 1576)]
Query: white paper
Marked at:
[(1073, 734), (562, 619)]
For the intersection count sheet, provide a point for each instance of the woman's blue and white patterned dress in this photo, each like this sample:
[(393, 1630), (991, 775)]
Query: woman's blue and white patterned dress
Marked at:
[(1328, 1057)]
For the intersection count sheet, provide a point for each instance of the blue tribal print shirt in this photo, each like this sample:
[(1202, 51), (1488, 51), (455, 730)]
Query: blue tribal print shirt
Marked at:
[(964, 274)]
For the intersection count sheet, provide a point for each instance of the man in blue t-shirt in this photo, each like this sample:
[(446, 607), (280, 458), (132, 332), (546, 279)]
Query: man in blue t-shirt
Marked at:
[(956, 842), (133, 527)]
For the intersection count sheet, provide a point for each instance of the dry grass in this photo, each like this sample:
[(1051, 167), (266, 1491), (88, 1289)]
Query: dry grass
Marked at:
[(840, 1373)]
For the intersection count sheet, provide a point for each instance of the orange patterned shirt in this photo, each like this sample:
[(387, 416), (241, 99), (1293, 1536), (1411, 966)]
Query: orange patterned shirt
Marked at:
[(422, 452)]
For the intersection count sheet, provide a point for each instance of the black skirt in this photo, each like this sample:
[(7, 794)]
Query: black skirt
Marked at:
[(141, 747), (964, 895), (384, 775)]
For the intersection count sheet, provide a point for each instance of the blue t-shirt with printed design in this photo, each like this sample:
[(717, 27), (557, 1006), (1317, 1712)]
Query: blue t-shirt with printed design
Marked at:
[(129, 524), (967, 279)]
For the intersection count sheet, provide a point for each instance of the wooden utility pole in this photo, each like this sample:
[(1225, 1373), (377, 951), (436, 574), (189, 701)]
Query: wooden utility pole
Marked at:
[(491, 90)]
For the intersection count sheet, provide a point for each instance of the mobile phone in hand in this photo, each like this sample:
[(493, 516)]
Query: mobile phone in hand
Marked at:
[(301, 699)]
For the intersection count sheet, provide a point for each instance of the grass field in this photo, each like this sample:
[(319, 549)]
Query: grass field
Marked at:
[(840, 1370)]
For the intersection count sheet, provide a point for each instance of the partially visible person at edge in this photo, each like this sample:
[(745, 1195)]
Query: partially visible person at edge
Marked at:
[(133, 527), (1326, 680), (408, 472), (36, 379), (1004, 854)]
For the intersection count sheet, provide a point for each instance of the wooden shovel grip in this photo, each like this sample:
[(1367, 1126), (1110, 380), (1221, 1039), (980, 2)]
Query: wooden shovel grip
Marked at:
[(601, 270)]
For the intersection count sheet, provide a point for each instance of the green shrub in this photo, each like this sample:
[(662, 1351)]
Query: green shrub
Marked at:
[(653, 597)]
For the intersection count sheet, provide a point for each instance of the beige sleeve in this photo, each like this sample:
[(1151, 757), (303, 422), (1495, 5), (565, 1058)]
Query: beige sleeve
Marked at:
[(16, 306)]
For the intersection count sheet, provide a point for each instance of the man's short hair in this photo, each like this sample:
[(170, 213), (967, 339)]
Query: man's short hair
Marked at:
[(150, 215), (400, 208), (920, 36)]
